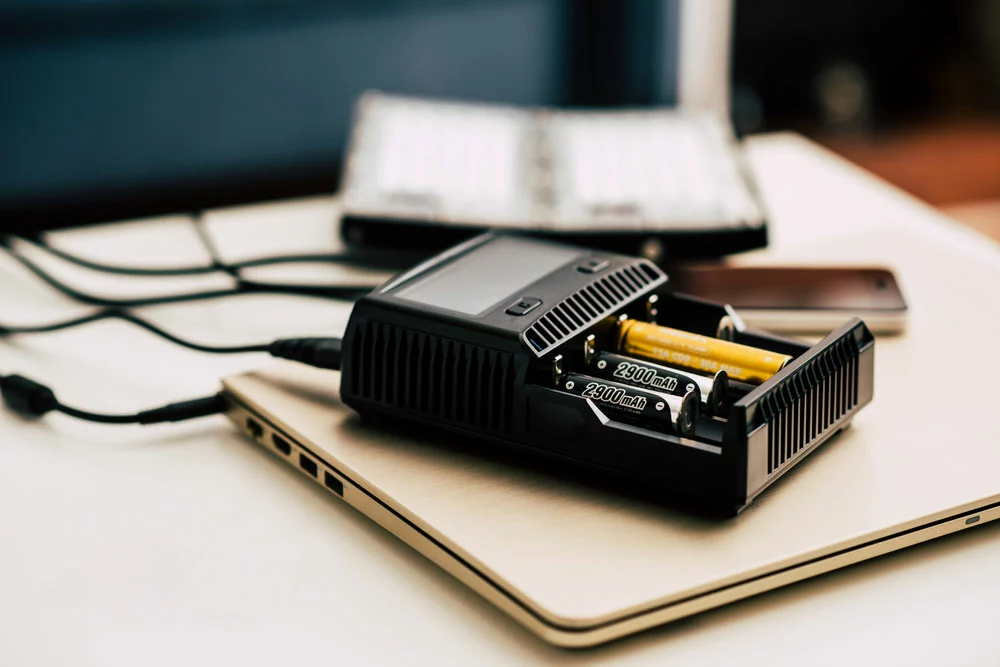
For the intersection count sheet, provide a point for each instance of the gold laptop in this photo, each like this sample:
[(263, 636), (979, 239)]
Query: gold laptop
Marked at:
[(579, 565)]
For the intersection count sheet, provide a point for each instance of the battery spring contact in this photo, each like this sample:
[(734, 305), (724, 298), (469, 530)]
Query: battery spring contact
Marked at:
[(726, 329), (558, 370), (652, 309), (589, 349)]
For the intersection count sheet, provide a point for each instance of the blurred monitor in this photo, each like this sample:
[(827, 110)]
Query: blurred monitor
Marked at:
[(122, 108)]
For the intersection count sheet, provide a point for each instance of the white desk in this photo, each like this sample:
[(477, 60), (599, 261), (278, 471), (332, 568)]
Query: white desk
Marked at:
[(183, 545)]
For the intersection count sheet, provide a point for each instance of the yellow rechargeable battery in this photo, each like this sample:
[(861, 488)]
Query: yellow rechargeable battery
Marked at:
[(701, 354)]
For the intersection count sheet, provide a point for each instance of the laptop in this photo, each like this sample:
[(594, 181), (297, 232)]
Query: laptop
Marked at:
[(658, 173), (578, 563), (663, 182)]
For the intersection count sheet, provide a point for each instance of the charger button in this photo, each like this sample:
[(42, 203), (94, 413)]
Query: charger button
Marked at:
[(595, 265), (523, 306)]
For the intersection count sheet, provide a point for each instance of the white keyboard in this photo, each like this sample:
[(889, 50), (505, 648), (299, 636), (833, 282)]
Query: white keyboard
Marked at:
[(499, 166)]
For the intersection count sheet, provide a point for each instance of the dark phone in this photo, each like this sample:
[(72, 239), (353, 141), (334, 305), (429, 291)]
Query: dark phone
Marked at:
[(799, 299)]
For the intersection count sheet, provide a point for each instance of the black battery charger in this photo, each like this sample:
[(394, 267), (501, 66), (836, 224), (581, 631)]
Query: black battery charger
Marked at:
[(474, 341)]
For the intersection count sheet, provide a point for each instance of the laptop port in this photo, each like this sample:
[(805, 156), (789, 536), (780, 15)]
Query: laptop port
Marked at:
[(281, 444), (308, 465), (333, 483), (256, 430)]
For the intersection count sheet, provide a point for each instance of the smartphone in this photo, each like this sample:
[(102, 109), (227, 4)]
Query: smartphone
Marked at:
[(802, 299)]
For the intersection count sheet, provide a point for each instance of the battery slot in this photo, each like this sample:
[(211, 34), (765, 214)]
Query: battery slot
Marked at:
[(679, 313)]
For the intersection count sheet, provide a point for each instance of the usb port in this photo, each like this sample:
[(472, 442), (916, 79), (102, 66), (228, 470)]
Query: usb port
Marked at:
[(333, 483), (256, 430), (308, 465), (281, 444)]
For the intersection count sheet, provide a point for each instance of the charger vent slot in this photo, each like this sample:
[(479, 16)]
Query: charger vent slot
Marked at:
[(590, 304), (810, 403), (468, 385)]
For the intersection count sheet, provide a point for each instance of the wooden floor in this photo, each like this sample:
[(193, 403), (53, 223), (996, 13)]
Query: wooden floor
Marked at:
[(951, 164), (984, 216)]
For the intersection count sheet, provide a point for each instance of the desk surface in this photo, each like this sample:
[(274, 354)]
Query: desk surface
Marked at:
[(182, 544)]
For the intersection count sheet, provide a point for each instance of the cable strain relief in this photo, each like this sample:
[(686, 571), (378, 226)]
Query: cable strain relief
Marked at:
[(175, 412), (27, 397), (318, 352)]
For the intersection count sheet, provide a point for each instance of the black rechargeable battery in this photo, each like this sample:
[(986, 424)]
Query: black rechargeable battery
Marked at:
[(712, 391), (649, 408)]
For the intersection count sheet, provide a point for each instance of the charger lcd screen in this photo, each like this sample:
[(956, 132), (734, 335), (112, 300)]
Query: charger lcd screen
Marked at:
[(493, 272)]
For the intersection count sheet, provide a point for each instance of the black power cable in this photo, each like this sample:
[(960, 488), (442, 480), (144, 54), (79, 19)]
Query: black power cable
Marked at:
[(317, 258), (322, 352), (32, 400), (209, 244), (119, 270), (120, 314), (390, 259), (243, 286)]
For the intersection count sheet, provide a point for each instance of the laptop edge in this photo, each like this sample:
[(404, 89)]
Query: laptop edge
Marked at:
[(259, 425)]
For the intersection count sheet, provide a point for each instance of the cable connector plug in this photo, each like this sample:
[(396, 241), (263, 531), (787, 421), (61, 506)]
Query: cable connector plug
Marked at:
[(318, 352), (27, 397), (177, 412), (32, 400)]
